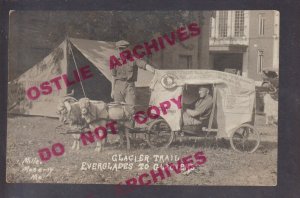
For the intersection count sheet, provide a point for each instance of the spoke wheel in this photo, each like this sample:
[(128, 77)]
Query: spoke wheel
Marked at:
[(159, 134), (245, 139)]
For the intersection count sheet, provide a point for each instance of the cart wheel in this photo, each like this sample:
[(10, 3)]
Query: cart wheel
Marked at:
[(159, 134), (245, 139)]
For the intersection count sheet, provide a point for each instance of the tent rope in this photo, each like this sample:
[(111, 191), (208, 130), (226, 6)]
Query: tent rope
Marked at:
[(77, 69)]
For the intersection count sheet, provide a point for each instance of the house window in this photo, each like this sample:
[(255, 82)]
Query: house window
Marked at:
[(239, 24), (223, 16), (261, 23), (260, 61), (185, 61)]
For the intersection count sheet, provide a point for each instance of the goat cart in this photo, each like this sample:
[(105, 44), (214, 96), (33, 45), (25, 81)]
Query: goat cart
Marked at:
[(232, 116)]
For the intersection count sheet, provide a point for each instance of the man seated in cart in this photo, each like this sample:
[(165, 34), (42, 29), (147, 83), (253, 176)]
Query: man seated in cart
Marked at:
[(199, 115)]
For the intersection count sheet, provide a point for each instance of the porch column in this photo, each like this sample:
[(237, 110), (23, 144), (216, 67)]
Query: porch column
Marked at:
[(245, 63)]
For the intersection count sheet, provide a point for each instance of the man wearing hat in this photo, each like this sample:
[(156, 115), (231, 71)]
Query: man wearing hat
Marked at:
[(200, 114), (123, 78)]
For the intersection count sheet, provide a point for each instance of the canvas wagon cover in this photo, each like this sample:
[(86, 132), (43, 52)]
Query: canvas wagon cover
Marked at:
[(235, 96)]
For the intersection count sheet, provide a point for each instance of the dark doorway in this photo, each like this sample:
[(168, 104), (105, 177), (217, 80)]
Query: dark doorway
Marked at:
[(228, 61)]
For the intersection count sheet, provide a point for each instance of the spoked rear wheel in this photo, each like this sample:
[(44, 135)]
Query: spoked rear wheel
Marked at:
[(159, 134), (245, 139)]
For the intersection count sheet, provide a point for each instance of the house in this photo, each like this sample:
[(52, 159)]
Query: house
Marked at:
[(243, 41)]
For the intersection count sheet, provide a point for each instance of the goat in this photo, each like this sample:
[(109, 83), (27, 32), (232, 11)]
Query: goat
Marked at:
[(69, 112), (96, 113)]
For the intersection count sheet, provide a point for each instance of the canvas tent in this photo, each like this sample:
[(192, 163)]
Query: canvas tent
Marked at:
[(63, 60)]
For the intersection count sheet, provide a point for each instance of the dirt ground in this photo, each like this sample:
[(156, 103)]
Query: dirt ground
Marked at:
[(224, 166)]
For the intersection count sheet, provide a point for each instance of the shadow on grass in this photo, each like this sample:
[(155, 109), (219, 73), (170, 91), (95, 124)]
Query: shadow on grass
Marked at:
[(195, 142), (214, 143)]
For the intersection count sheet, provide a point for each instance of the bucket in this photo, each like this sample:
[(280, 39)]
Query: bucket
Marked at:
[(116, 112)]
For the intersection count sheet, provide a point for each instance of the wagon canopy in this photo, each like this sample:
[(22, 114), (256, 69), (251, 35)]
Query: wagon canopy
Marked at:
[(235, 95)]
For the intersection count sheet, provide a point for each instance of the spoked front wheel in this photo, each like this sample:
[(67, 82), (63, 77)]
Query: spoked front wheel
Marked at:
[(245, 139), (159, 134)]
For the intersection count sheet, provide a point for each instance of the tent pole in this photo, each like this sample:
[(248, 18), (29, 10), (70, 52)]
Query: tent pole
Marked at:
[(76, 67)]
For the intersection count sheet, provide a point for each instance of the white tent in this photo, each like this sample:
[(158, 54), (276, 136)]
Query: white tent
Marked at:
[(70, 55)]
